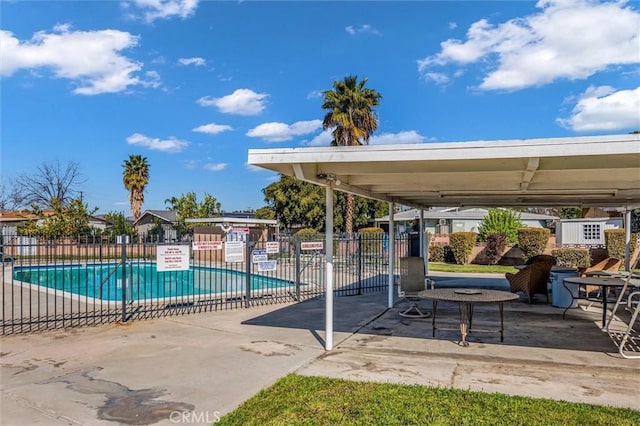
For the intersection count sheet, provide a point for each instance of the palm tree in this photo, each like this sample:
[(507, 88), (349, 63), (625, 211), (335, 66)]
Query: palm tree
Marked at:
[(135, 177), (351, 116)]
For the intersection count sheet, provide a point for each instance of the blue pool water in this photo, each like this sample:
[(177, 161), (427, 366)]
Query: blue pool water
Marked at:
[(144, 281)]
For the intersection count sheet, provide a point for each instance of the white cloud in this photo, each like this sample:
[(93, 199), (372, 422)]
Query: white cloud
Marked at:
[(91, 59), (198, 62), (278, 132), (452, 25), (165, 9), (437, 77), (603, 108), (361, 29), (241, 102), (314, 94), (214, 167), (564, 40), (190, 164), (409, 136), (212, 128), (323, 139), (168, 145)]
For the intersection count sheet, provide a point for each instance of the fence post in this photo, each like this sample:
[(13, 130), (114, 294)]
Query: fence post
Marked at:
[(359, 263), (298, 271), (123, 241), (248, 249)]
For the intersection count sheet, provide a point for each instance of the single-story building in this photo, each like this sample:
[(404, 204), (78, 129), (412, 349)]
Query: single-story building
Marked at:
[(443, 221)]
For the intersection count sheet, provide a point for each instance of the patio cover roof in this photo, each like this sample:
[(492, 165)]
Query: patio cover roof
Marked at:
[(556, 172)]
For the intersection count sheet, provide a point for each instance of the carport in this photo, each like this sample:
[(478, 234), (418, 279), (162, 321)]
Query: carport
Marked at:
[(594, 171)]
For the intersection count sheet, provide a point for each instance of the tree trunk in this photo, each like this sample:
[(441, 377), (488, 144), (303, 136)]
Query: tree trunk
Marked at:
[(349, 215)]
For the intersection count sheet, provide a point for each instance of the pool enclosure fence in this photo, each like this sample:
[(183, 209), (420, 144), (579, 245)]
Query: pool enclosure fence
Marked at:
[(82, 281)]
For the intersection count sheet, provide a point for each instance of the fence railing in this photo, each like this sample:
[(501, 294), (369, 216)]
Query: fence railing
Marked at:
[(52, 284)]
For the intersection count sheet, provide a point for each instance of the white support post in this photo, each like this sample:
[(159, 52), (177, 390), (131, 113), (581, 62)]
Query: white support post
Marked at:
[(391, 251), (627, 240), (328, 231)]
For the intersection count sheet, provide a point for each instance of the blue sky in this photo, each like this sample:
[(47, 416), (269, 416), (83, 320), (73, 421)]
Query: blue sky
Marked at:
[(193, 85)]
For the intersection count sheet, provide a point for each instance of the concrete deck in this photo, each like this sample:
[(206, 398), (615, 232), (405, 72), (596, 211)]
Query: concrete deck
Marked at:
[(147, 372)]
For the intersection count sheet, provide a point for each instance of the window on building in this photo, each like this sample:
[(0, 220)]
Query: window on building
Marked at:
[(591, 231)]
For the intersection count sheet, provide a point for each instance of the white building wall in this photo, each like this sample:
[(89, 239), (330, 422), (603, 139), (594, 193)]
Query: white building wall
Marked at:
[(585, 231)]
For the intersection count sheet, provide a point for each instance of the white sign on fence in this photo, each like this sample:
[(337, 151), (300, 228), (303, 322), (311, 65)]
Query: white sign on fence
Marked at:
[(172, 258), (267, 265), (273, 247), (234, 251), (312, 245), (207, 245), (259, 256)]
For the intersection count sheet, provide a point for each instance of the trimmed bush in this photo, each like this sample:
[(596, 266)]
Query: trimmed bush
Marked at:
[(436, 253), (572, 257), (532, 241), (614, 242), (371, 239), (496, 243), (461, 245), (307, 234), (504, 221)]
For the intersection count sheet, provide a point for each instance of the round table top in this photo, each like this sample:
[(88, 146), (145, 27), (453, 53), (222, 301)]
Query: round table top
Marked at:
[(554, 268), (601, 281), (469, 295)]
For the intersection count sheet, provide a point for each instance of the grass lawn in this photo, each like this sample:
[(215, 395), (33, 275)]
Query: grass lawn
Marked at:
[(301, 400), (470, 268)]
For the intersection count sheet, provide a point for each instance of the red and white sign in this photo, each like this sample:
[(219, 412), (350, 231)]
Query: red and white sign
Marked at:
[(207, 245), (240, 230), (312, 245), (172, 258)]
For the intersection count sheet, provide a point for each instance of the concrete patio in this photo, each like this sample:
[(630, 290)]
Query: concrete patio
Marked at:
[(148, 372)]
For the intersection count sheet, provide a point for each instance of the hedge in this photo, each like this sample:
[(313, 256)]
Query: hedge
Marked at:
[(532, 241), (371, 239), (615, 244), (462, 244), (572, 257)]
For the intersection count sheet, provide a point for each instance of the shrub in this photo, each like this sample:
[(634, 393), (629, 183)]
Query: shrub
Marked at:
[(461, 245), (615, 244), (496, 243), (500, 221), (307, 234), (532, 241), (572, 257), (371, 239), (441, 254)]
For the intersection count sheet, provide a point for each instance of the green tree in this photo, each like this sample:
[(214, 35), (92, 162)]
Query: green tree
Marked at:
[(135, 177), (70, 220), (352, 118), (119, 225), (266, 213), (506, 221), (187, 206), (299, 203)]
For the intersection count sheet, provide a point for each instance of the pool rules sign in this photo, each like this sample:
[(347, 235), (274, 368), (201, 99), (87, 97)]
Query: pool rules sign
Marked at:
[(173, 258)]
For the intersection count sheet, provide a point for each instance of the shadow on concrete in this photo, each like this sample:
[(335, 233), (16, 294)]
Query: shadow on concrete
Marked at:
[(538, 325)]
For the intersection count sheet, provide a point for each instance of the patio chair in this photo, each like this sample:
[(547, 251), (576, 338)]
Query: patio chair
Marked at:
[(412, 281), (610, 264), (532, 279)]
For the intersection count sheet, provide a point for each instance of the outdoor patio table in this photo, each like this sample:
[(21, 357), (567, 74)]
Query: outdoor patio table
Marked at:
[(603, 282), (466, 298)]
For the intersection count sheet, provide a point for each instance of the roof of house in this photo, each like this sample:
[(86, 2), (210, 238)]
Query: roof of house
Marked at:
[(170, 216)]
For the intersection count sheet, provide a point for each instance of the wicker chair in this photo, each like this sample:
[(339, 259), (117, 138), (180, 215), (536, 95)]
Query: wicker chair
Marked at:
[(532, 279)]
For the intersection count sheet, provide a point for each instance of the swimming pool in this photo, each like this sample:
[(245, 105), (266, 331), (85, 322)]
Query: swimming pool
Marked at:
[(104, 281)]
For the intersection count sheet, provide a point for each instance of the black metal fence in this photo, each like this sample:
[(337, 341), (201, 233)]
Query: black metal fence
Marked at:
[(52, 284)]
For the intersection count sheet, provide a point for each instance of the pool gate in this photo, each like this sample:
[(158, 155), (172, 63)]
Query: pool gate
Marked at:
[(82, 281)]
